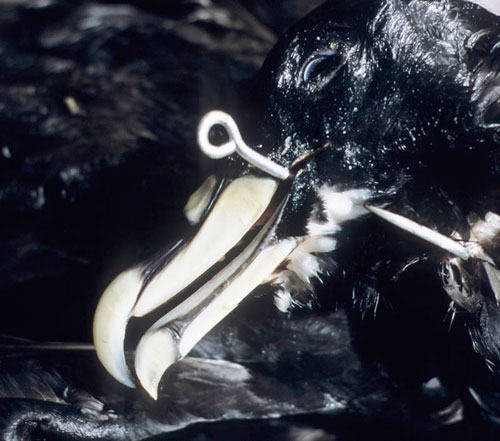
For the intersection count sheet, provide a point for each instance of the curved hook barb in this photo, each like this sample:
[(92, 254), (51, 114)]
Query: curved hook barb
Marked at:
[(235, 143)]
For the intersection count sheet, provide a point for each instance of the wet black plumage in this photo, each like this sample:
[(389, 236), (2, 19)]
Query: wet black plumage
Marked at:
[(427, 147), (425, 142), (401, 96)]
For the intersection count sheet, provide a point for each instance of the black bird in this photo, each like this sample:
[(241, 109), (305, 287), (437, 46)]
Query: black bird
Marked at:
[(357, 108), (378, 167)]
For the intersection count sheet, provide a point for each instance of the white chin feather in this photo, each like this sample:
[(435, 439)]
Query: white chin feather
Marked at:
[(487, 230), (304, 264), (336, 208), (283, 300)]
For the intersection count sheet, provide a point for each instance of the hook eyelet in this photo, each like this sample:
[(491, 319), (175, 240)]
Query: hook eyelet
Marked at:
[(235, 144)]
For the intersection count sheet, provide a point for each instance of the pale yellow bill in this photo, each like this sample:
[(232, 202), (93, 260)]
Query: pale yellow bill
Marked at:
[(234, 213), (162, 347), (237, 209)]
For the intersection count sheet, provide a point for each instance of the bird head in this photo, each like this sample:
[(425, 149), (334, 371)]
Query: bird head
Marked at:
[(362, 106)]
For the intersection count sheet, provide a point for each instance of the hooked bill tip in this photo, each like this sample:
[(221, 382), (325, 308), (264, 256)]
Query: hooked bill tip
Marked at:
[(110, 322), (156, 352)]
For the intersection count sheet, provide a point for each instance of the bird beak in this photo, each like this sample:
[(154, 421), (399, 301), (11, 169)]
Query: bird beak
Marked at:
[(232, 252)]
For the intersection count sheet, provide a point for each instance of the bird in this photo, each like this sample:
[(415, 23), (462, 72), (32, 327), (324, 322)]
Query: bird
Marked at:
[(349, 142), (374, 169)]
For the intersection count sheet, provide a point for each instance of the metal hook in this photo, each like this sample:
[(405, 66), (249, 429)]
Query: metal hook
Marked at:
[(235, 144), (421, 231)]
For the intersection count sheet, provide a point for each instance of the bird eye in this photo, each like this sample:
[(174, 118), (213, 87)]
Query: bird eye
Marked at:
[(321, 66)]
